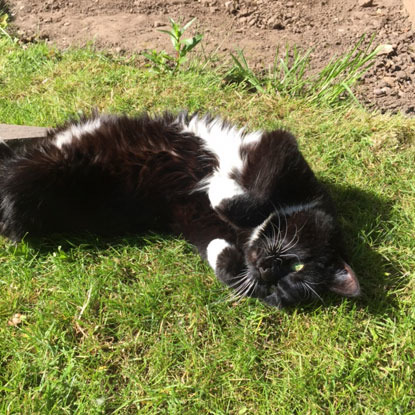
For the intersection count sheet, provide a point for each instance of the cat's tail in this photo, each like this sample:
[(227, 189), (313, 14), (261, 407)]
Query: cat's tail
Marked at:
[(23, 180), (44, 190), (5, 153), (5, 150), (48, 187)]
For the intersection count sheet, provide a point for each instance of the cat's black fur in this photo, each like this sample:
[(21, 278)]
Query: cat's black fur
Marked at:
[(274, 236)]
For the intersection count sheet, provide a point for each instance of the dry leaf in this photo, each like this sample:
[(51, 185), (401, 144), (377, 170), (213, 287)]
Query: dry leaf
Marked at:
[(16, 319)]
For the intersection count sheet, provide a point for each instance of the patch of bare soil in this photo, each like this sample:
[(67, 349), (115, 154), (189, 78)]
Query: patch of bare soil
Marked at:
[(330, 27)]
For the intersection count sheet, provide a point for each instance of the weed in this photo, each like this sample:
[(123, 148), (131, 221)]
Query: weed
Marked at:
[(162, 61), (5, 18), (241, 73), (288, 75), (4, 22), (341, 74)]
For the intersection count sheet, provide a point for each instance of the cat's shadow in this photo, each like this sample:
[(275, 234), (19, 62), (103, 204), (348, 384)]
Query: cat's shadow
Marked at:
[(364, 218)]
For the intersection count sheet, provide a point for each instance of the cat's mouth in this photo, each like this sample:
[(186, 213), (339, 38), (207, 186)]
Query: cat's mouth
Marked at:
[(271, 290), (266, 291), (279, 289), (264, 281), (269, 273)]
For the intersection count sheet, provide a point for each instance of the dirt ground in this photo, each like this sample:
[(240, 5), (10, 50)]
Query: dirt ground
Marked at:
[(330, 27)]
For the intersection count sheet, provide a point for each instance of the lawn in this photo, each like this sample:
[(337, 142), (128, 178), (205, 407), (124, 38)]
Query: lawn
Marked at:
[(140, 324)]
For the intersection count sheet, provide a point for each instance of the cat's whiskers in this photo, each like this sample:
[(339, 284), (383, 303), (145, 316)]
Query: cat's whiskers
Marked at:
[(238, 279), (312, 290), (249, 289), (297, 236), (276, 231), (273, 244), (270, 245), (280, 239), (286, 227), (243, 273), (290, 247), (243, 286), (292, 243), (273, 234), (291, 256), (252, 289), (314, 283), (245, 292), (235, 296)]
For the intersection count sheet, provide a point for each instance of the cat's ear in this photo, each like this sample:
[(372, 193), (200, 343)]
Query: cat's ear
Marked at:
[(345, 282)]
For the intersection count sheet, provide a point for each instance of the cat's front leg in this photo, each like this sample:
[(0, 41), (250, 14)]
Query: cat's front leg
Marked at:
[(258, 175), (235, 204)]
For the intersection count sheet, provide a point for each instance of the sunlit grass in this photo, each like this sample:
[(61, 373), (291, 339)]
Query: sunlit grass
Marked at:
[(289, 76), (140, 325)]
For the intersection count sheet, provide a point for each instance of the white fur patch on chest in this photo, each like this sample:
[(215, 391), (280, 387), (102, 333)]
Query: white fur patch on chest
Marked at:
[(225, 142), (75, 132)]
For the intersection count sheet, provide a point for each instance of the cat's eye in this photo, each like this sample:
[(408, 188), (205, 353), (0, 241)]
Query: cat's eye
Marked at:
[(297, 266)]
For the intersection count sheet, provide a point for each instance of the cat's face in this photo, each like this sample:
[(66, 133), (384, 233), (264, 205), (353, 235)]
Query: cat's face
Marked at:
[(294, 258)]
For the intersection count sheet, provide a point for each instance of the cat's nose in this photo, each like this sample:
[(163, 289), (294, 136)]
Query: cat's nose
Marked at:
[(265, 273)]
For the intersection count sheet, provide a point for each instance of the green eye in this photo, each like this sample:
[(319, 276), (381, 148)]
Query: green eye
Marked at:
[(298, 266)]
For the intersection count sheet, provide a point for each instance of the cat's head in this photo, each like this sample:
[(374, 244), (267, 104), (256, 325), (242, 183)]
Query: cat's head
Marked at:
[(295, 257)]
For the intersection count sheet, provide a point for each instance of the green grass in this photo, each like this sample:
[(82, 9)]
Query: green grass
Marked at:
[(140, 325), (290, 75)]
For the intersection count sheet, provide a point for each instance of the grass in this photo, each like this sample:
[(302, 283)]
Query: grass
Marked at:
[(290, 74), (140, 325)]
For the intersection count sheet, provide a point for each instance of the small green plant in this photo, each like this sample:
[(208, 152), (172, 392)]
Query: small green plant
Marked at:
[(4, 18), (288, 75), (241, 73), (162, 61), (341, 74)]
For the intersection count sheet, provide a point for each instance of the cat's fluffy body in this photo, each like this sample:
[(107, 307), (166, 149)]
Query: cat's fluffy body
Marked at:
[(248, 201)]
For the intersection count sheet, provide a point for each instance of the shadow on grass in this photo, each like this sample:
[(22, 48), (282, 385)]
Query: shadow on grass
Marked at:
[(361, 214), (48, 244)]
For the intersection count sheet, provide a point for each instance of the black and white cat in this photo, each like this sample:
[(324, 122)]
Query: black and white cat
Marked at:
[(249, 202)]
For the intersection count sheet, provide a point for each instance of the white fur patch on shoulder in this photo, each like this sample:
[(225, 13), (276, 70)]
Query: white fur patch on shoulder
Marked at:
[(75, 132), (214, 249), (225, 142)]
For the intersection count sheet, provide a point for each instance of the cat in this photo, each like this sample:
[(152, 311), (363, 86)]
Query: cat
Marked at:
[(248, 201)]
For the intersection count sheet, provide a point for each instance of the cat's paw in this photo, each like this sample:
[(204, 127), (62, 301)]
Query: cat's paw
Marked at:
[(222, 188), (215, 248), (225, 259)]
